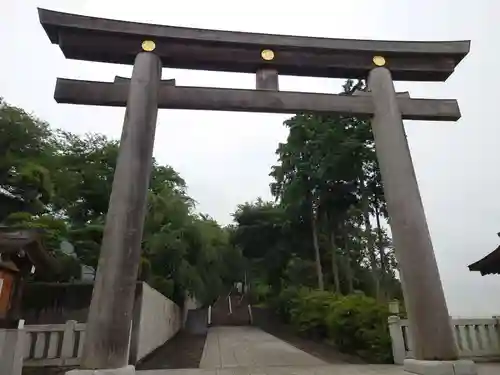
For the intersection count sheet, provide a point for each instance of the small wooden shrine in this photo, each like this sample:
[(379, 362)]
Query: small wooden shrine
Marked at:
[(21, 253)]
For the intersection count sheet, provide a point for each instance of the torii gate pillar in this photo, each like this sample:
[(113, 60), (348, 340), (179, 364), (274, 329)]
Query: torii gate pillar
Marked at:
[(107, 335), (423, 291)]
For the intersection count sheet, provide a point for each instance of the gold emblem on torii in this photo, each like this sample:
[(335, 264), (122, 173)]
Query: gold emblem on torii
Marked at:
[(379, 60), (148, 45)]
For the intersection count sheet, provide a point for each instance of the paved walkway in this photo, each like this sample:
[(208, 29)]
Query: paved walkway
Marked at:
[(250, 347), (250, 351)]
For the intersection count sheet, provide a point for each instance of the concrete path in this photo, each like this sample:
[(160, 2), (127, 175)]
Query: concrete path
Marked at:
[(250, 347), (250, 351), (484, 369)]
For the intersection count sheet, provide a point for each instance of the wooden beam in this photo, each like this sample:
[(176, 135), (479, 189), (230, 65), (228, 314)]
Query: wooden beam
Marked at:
[(105, 40), (220, 99), (168, 82), (404, 94)]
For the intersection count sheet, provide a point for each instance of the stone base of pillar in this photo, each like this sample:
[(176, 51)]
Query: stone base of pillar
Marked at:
[(129, 370), (459, 367)]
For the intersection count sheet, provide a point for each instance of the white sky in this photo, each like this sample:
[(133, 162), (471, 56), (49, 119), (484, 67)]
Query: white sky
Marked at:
[(226, 157)]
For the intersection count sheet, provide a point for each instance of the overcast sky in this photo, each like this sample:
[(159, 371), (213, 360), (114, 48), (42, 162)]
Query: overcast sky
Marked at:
[(226, 157)]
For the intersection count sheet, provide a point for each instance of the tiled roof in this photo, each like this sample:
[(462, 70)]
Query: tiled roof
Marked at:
[(488, 265)]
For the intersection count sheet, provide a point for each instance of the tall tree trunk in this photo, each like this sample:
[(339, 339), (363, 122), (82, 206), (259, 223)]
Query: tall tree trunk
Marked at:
[(370, 240), (335, 265), (319, 271), (348, 264), (383, 258), (371, 253)]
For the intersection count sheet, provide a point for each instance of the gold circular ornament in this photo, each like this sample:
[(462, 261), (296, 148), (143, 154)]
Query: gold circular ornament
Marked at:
[(379, 60), (148, 45), (267, 54)]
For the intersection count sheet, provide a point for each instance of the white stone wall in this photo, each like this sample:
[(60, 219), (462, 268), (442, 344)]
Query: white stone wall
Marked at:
[(160, 320), (190, 303)]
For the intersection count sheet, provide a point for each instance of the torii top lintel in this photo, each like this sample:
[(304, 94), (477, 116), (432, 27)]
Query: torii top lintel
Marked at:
[(104, 40)]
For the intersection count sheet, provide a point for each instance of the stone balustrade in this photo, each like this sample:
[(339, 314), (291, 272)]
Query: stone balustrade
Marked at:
[(477, 339)]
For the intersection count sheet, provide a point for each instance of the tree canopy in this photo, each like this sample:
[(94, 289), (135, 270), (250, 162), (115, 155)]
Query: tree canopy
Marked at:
[(327, 220), (61, 182)]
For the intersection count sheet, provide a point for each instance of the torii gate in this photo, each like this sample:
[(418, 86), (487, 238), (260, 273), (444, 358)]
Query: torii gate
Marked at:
[(151, 47)]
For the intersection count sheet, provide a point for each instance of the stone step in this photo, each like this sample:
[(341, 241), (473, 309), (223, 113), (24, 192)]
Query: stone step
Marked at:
[(238, 315)]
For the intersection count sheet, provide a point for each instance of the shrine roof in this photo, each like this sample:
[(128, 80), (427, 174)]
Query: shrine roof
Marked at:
[(12, 241), (488, 265)]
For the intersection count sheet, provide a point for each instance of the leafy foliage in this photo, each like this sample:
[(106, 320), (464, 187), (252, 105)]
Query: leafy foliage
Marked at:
[(26, 151), (354, 324), (358, 324), (60, 182), (327, 188)]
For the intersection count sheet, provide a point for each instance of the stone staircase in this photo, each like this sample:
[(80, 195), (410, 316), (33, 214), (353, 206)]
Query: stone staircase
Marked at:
[(232, 310)]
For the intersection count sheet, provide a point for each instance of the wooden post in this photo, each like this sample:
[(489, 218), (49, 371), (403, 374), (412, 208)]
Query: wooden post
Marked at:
[(423, 292), (267, 79), (110, 316), (14, 312)]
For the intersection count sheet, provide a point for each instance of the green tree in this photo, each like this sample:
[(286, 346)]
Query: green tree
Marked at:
[(61, 182), (26, 145), (326, 183)]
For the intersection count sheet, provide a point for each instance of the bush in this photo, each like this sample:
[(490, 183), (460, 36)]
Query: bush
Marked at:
[(284, 302), (308, 312), (355, 324), (358, 324), (259, 293)]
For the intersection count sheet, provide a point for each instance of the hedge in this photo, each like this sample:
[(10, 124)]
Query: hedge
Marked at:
[(354, 324)]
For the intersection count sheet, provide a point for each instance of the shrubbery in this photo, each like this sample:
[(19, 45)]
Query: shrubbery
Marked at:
[(259, 293), (355, 324)]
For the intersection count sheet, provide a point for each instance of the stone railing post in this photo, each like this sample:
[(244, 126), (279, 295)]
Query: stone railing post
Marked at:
[(497, 317), (12, 343), (68, 342), (394, 307), (397, 340)]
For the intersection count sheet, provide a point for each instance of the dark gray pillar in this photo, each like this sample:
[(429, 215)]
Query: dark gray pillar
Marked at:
[(109, 321), (423, 291), (267, 79)]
